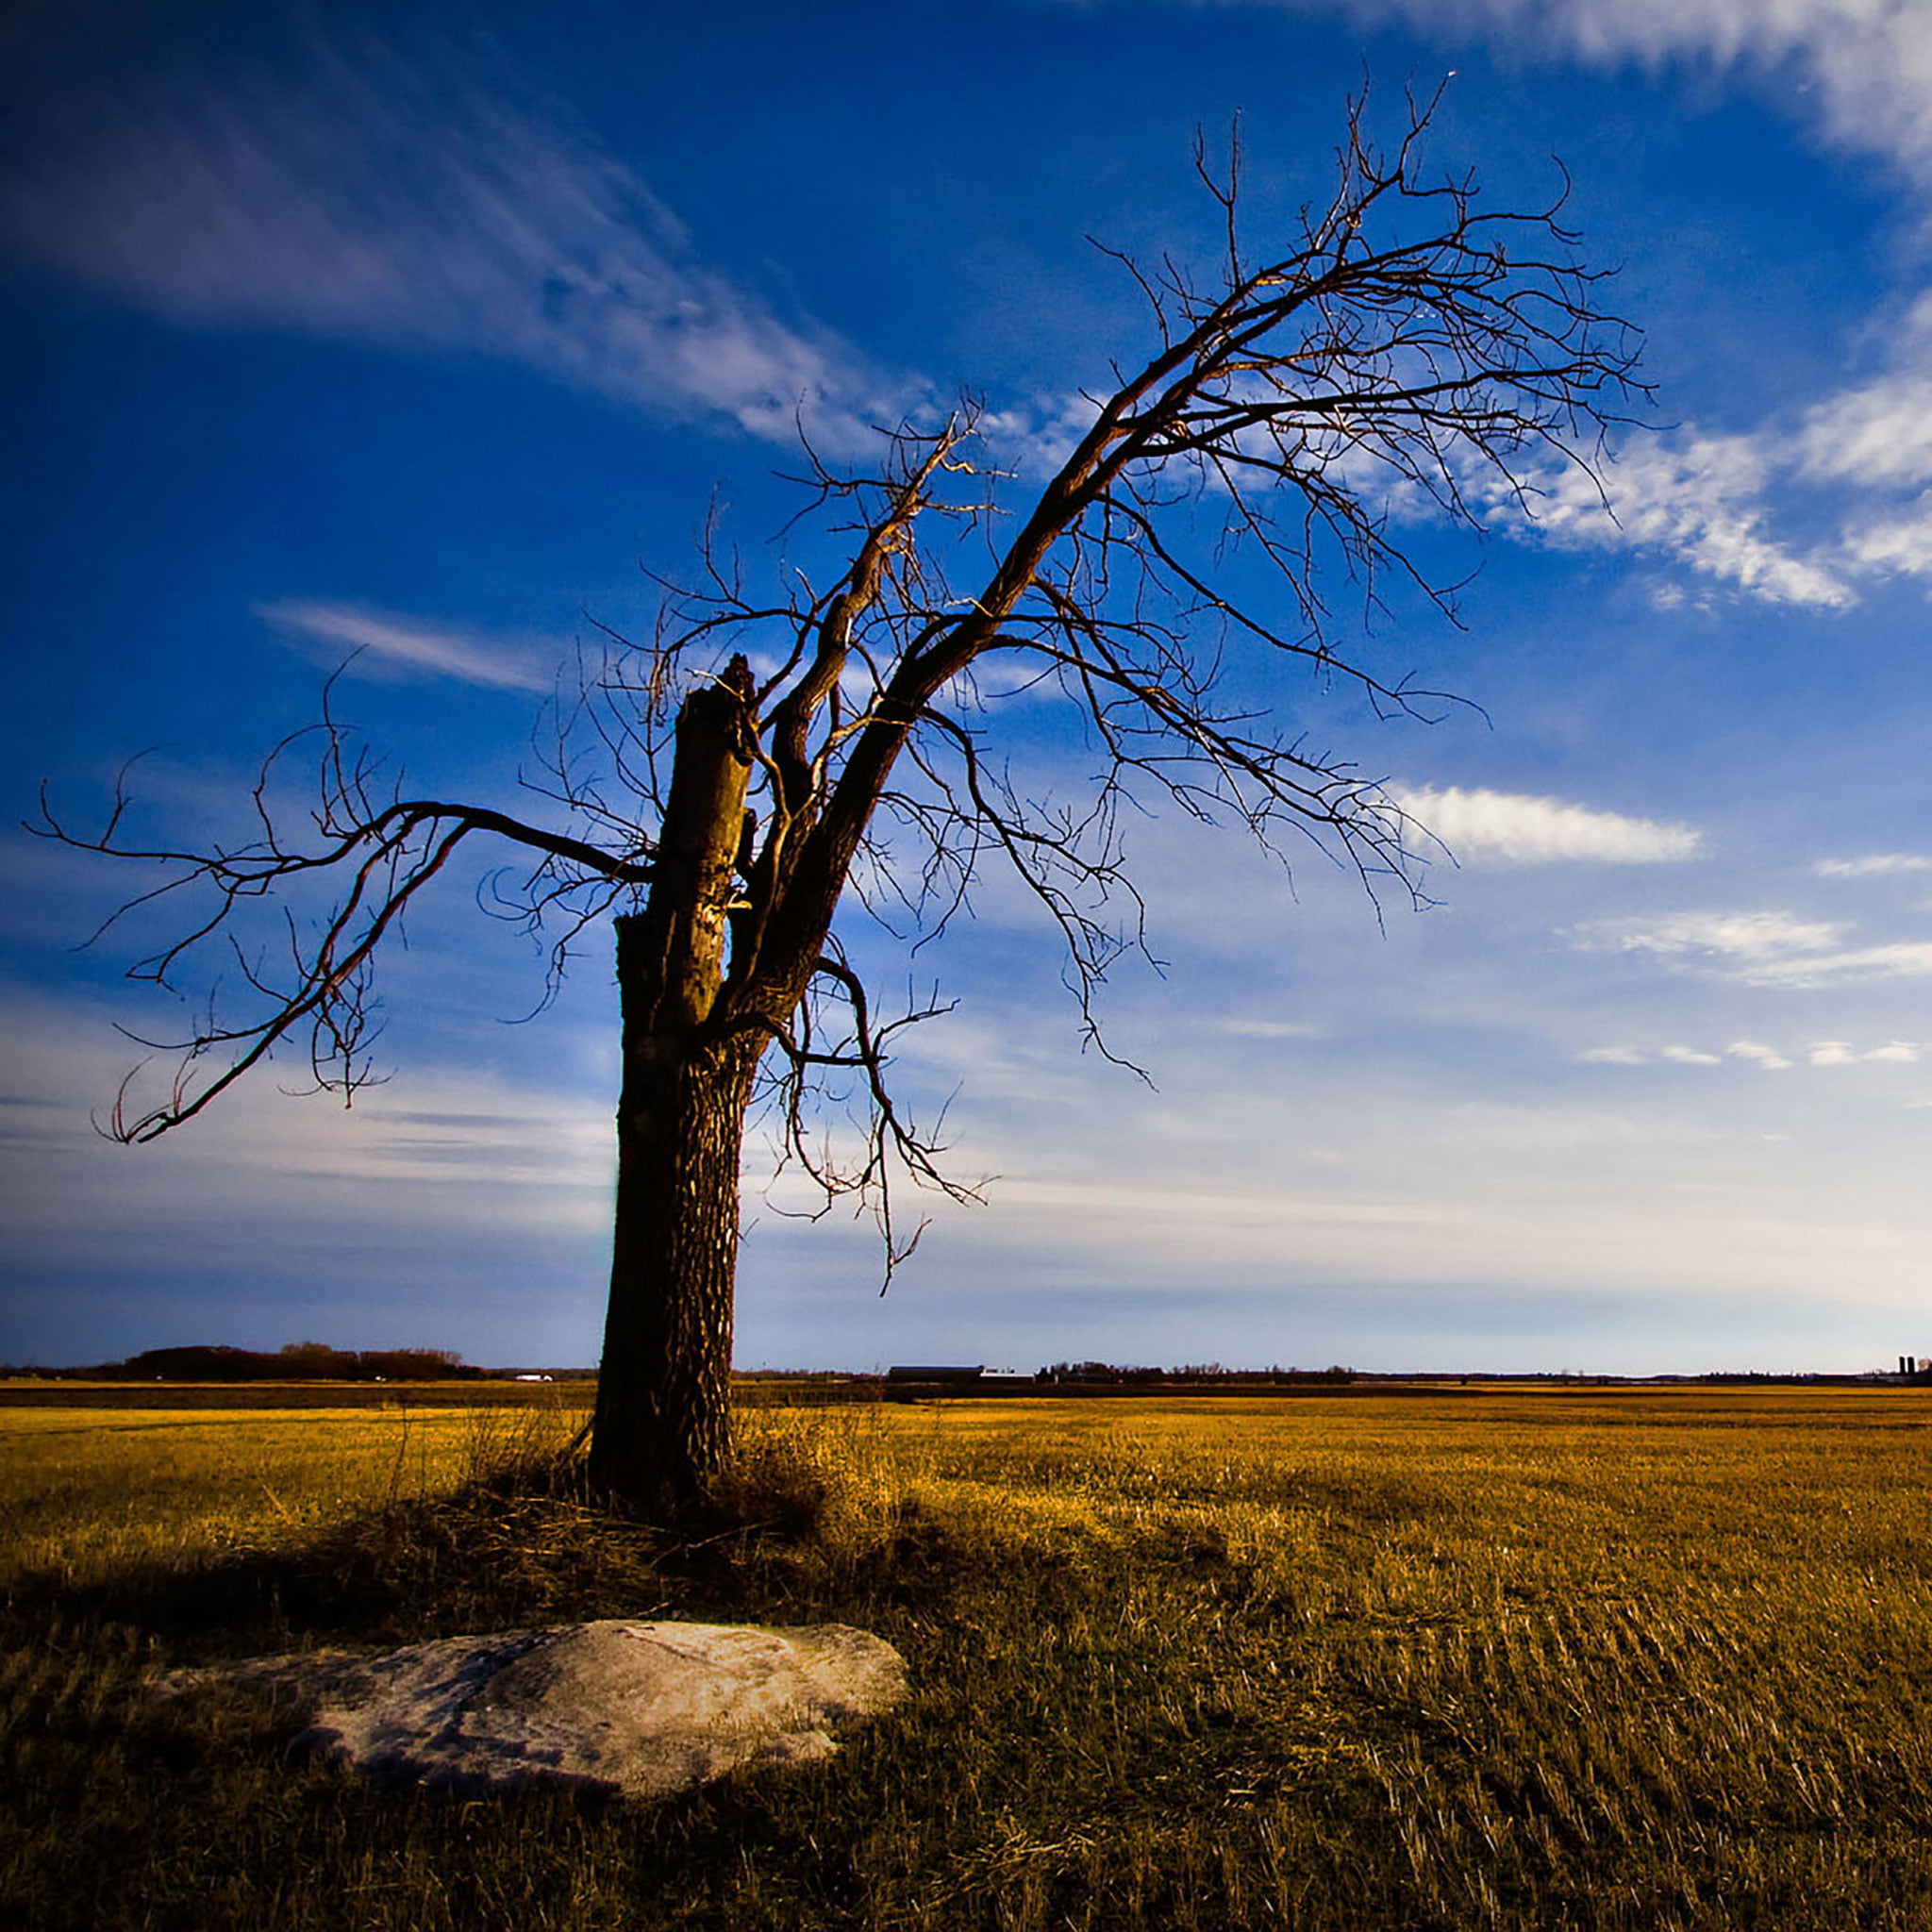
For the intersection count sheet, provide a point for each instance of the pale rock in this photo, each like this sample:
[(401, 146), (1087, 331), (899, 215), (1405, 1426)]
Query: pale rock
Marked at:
[(636, 1709)]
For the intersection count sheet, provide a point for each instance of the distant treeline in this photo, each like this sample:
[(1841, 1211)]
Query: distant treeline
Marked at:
[(316, 1361), (1092, 1374), (1188, 1371), (300, 1361)]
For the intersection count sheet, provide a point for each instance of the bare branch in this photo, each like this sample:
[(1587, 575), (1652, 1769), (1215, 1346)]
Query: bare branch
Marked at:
[(1402, 355), (384, 855)]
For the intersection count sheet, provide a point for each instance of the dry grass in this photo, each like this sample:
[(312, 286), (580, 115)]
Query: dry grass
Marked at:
[(1656, 1661), (92, 1493)]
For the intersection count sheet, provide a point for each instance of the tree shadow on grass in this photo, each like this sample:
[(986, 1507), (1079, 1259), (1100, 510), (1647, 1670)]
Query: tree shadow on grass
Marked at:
[(509, 1549)]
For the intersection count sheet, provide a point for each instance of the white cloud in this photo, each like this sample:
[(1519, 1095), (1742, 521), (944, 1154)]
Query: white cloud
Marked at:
[(1880, 433), (1036, 438), (1761, 948), (403, 643), (1270, 1029), (1840, 1052), (359, 205), (1753, 937), (1874, 865), (1504, 829), (1861, 71), (1821, 1053), (1902, 960), (1899, 547), (1864, 66), (1904, 1053), (1702, 499), (1708, 501)]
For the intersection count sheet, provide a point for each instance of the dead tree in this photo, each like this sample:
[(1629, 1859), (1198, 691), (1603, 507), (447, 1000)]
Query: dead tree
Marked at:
[(1405, 352)]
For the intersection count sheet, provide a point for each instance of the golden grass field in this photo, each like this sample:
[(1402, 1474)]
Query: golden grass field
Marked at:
[(1656, 1658)]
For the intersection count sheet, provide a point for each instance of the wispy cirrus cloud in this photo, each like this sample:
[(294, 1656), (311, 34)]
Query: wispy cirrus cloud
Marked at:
[(1860, 73), (451, 1148), (1819, 1053), (1702, 499), (358, 204), (1037, 436), (402, 644), (1484, 827), (1859, 460), (1761, 948), (1899, 960), (1863, 67), (1873, 865), (1752, 939), (1711, 502)]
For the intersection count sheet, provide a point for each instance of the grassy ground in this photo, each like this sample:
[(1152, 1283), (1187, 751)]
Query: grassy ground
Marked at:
[(1650, 1660)]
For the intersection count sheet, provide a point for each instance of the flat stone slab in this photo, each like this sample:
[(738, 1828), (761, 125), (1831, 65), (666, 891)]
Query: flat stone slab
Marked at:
[(640, 1709)]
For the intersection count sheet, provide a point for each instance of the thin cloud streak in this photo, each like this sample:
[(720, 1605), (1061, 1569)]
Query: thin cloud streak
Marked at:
[(1769, 949), (1874, 865), (1819, 1053), (402, 644), (1753, 937), (359, 206), (1902, 960), (462, 1151)]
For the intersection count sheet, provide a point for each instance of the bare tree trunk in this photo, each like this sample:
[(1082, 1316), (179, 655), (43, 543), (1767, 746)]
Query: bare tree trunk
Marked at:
[(663, 1420)]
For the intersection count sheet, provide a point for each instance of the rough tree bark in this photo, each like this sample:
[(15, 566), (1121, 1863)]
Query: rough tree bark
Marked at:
[(1403, 352), (663, 1394), (663, 1421)]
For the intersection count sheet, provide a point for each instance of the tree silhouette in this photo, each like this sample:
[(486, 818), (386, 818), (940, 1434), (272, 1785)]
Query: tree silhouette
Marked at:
[(724, 786)]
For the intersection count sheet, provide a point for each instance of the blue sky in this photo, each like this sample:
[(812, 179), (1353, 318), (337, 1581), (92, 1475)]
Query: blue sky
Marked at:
[(422, 330)]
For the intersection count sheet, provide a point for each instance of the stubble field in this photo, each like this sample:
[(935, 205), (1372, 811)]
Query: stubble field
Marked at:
[(1630, 1658)]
